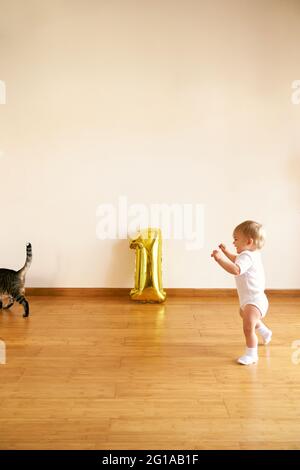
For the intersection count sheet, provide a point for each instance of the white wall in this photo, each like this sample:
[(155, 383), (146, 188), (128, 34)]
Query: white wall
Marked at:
[(185, 101)]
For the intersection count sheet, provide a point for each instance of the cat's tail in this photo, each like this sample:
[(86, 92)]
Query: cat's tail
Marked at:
[(27, 264)]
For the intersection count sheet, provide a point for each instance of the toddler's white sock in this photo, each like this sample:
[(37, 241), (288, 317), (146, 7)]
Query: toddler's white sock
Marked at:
[(265, 333), (250, 357)]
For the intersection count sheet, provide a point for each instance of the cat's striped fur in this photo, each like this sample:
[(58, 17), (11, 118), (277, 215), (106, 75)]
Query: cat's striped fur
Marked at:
[(12, 283)]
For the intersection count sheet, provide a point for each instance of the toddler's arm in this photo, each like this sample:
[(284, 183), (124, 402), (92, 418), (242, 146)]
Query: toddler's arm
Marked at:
[(229, 266), (229, 255)]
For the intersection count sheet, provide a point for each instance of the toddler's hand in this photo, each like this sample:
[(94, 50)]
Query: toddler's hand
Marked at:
[(216, 255), (222, 247)]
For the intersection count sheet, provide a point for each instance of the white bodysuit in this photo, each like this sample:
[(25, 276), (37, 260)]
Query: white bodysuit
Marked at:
[(250, 282)]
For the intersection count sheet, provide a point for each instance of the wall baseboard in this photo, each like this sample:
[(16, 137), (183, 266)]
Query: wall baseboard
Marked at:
[(124, 292)]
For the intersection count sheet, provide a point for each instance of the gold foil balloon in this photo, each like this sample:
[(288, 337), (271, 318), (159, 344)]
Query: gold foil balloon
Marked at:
[(148, 275)]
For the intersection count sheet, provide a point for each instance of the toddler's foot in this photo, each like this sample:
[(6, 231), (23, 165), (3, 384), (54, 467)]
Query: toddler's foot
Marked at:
[(247, 360), (250, 357), (267, 338), (266, 334)]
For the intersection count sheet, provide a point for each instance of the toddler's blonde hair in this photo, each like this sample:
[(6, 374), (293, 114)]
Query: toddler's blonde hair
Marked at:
[(253, 230)]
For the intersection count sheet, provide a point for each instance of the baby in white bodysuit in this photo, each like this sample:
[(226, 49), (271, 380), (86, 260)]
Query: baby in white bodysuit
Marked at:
[(246, 266)]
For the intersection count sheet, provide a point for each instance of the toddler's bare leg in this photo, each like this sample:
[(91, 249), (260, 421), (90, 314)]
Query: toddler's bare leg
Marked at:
[(251, 316)]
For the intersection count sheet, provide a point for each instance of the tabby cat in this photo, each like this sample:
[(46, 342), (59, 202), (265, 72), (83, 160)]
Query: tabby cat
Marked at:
[(12, 283)]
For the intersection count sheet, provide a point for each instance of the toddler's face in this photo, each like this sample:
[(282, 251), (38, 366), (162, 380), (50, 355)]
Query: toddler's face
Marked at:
[(241, 242)]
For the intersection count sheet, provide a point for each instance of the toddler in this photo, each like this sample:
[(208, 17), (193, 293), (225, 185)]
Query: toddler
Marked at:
[(246, 266)]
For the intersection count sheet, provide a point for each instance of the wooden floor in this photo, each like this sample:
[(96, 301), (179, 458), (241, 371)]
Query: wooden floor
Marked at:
[(111, 374)]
